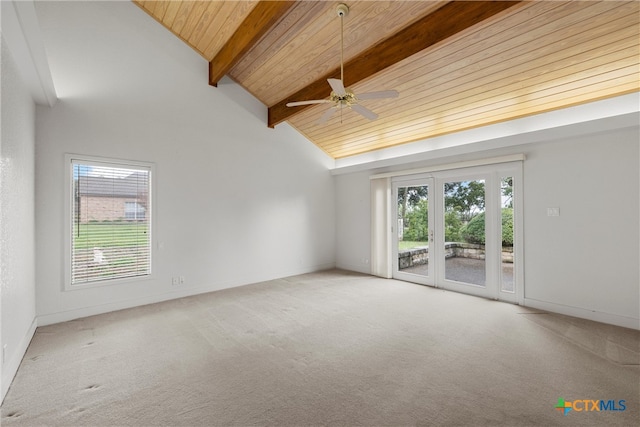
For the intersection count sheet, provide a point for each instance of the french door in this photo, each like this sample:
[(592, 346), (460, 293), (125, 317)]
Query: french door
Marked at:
[(414, 230), (458, 230)]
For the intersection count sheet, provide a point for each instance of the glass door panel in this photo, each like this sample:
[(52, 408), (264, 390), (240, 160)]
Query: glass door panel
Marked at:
[(464, 232), (412, 259), (507, 256)]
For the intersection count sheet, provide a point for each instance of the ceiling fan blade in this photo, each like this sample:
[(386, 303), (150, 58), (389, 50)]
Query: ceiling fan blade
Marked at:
[(337, 86), (310, 102), (364, 111), (379, 95), (327, 115)]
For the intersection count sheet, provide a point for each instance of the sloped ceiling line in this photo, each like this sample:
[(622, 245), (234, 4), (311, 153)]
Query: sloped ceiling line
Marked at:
[(21, 31)]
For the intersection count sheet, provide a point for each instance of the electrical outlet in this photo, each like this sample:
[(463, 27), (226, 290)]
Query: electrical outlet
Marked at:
[(181, 280), (175, 281)]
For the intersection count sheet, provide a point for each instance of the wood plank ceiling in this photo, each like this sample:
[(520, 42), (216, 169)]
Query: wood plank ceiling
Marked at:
[(529, 58)]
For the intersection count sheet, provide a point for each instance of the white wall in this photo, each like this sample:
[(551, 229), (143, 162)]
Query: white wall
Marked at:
[(235, 202), (587, 258), (582, 263), (353, 222), (17, 225)]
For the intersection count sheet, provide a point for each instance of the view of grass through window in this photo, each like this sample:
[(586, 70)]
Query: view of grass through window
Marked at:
[(111, 217), (109, 234)]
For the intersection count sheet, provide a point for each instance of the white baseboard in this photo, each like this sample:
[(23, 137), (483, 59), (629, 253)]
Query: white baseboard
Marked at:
[(597, 316), (78, 313), (358, 268), (12, 363)]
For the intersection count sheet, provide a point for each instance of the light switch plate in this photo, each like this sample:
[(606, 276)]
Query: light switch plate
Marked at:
[(553, 211)]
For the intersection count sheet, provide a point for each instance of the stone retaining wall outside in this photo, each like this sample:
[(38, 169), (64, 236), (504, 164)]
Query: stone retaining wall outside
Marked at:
[(420, 255)]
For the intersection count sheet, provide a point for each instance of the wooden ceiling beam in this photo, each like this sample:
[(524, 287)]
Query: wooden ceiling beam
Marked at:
[(445, 22), (261, 18)]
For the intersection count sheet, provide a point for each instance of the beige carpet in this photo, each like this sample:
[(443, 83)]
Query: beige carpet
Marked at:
[(329, 348)]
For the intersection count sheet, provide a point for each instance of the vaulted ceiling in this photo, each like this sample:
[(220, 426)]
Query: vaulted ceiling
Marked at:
[(457, 65)]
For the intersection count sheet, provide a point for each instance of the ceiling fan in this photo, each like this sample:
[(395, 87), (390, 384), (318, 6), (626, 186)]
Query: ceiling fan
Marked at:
[(340, 96)]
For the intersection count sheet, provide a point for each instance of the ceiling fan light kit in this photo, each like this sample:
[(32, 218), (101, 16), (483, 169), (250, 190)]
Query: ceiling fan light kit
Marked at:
[(340, 96)]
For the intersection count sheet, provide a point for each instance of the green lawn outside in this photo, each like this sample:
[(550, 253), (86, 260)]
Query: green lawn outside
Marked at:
[(110, 234), (404, 245)]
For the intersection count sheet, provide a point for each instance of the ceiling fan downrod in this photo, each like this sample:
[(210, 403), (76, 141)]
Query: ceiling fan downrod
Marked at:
[(343, 10)]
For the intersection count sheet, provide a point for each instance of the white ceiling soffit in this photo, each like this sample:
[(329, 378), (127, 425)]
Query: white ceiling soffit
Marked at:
[(21, 31), (608, 114)]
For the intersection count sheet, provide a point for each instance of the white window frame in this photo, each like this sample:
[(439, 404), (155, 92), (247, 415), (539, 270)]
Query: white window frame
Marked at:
[(70, 159)]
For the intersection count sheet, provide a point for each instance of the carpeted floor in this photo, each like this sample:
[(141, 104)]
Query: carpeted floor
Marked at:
[(328, 348)]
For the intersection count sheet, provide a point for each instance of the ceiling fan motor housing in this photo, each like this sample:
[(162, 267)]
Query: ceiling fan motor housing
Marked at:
[(347, 100)]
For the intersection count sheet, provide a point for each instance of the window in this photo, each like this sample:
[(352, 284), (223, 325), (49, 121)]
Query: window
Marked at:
[(110, 221), (134, 210)]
